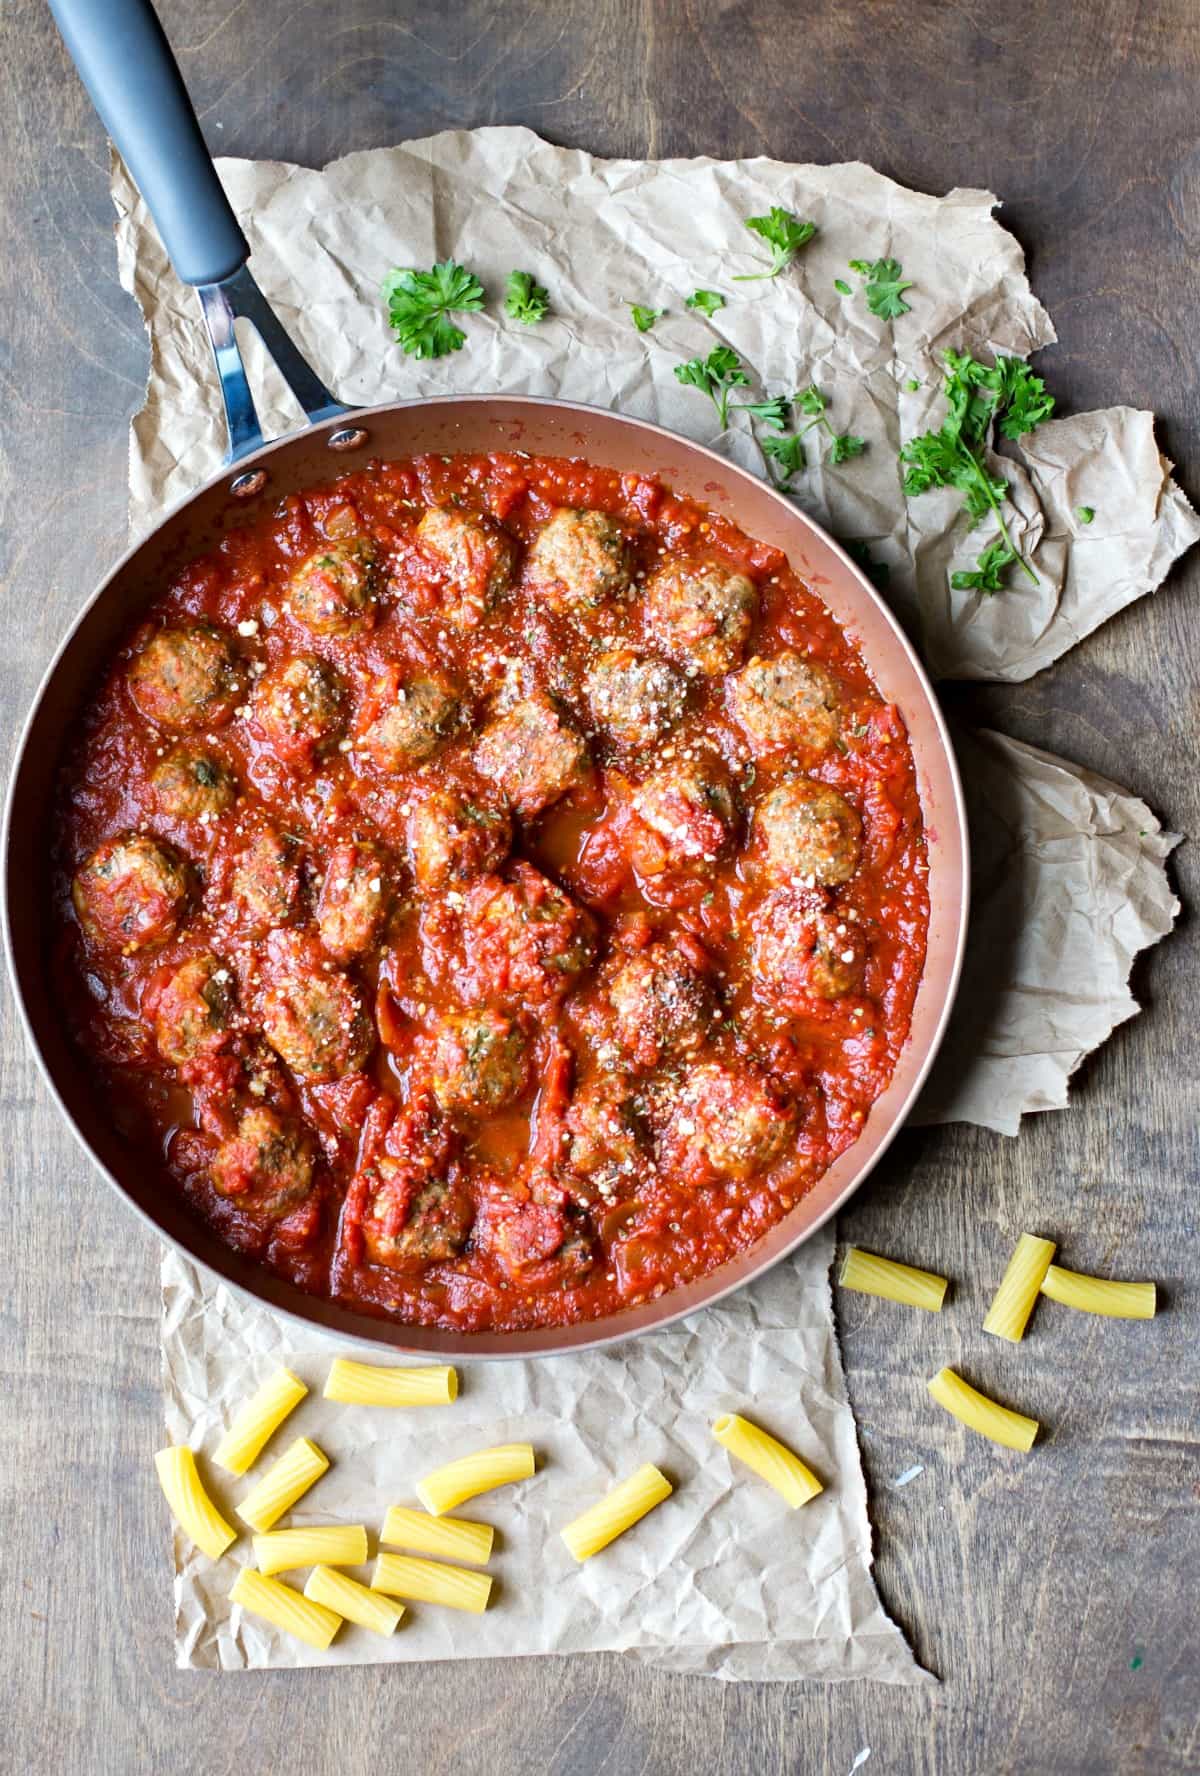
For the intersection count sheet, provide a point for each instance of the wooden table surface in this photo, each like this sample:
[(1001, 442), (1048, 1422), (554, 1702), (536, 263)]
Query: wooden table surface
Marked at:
[(1056, 1597)]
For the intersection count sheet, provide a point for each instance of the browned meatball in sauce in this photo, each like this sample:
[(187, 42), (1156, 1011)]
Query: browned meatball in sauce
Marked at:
[(786, 704), (724, 1121), (266, 1168), (805, 832), (804, 950), (455, 835), (473, 558), (409, 1224), (688, 810), (701, 613), (313, 1014), (578, 560), (662, 1005), (192, 784), (353, 901), (186, 679), (479, 1062), (193, 1009), (264, 882), (524, 939), (531, 755), (404, 719), (131, 893), (334, 588), (634, 697), (297, 707)]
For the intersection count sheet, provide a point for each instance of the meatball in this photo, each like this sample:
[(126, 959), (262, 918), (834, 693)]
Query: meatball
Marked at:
[(332, 589), (403, 720), (313, 1014), (410, 1223), (190, 784), (662, 1005), (298, 707), (193, 1009), (452, 838), (131, 893), (540, 1245), (804, 950), (353, 900), (267, 1166), (605, 1125), (634, 697), (689, 813), (186, 679), (524, 939), (725, 1122), (531, 755), (786, 704), (805, 832), (478, 1063), (701, 613), (472, 556), (264, 884), (578, 560)]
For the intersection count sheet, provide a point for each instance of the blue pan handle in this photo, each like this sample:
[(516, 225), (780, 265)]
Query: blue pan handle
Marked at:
[(126, 64)]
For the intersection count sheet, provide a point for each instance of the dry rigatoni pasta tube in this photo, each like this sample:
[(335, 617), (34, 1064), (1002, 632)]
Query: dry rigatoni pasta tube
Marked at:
[(1012, 1304), (346, 1597), (257, 1420), (287, 1609), (870, 1275), (980, 1414), (446, 1487), (281, 1485), (771, 1460), (367, 1384), (428, 1581), (1098, 1295), (616, 1512), (329, 1544), (451, 1537), (191, 1506)]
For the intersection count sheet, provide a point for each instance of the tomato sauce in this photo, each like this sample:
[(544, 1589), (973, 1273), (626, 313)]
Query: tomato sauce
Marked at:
[(491, 889)]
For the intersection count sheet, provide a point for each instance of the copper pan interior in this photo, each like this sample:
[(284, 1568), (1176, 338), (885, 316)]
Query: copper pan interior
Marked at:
[(475, 423)]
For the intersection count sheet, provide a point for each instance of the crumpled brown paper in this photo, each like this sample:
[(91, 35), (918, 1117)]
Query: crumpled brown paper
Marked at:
[(722, 1580)]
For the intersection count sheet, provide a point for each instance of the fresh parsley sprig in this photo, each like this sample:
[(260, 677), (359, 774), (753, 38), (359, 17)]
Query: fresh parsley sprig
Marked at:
[(418, 303), (644, 318), (706, 302), (787, 452), (784, 233), (884, 283), (843, 445), (715, 376), (524, 299), (990, 568), (776, 412), (1005, 394)]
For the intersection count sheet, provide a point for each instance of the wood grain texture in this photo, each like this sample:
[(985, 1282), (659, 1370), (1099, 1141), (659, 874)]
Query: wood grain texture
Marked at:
[(1034, 1587)]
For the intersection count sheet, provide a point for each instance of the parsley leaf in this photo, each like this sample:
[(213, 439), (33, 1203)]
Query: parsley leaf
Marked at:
[(842, 287), (774, 412), (912, 385), (715, 376), (784, 233), (419, 301), (644, 318), (885, 286), (524, 299), (811, 401), (845, 446), (707, 301), (788, 452), (1005, 393), (1085, 514), (990, 567)]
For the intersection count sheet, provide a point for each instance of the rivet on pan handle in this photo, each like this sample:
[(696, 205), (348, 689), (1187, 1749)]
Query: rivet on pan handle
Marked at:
[(125, 62)]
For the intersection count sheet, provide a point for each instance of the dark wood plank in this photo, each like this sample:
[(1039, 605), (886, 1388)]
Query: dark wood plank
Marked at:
[(1056, 1597)]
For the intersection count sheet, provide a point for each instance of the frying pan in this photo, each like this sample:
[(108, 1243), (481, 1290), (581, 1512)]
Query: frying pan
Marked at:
[(120, 50)]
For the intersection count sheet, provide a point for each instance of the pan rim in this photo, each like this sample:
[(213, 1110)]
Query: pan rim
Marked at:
[(651, 1316)]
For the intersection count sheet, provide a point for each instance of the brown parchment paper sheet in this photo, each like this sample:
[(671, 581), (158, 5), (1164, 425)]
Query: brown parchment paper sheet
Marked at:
[(721, 1580)]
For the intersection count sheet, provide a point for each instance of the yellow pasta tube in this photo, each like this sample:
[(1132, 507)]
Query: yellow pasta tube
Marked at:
[(428, 1581), (616, 1512), (446, 1487), (278, 1603), (870, 1275), (1013, 1301), (451, 1537), (366, 1384), (980, 1414), (1097, 1295), (281, 1485), (257, 1420), (346, 1597), (332, 1544), (771, 1460), (191, 1506)]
